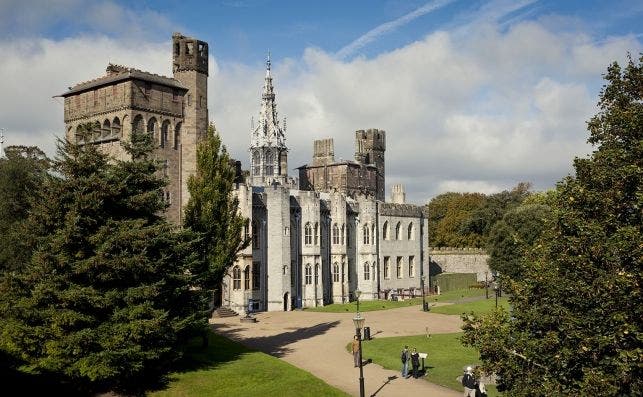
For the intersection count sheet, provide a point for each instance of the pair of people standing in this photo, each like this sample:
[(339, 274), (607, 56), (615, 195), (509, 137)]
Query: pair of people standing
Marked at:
[(414, 357)]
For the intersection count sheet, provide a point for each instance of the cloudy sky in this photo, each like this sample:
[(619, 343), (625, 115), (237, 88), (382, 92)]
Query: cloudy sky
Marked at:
[(473, 95)]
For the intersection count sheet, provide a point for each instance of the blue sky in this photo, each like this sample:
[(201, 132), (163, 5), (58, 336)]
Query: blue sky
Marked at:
[(474, 95)]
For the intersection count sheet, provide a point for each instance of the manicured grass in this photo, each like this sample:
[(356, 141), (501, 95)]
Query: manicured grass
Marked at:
[(478, 306), (227, 368), (372, 305), (446, 356)]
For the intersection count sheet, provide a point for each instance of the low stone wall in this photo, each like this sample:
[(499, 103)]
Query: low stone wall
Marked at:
[(459, 260)]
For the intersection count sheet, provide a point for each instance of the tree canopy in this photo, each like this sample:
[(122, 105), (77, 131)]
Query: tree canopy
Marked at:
[(575, 327)]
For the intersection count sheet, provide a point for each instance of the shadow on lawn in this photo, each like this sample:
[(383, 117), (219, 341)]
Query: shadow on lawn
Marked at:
[(275, 345)]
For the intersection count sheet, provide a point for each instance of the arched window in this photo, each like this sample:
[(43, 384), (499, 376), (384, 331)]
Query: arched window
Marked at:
[(107, 129), (316, 233), (399, 267), (385, 231), (80, 135), (256, 166), (246, 278), (309, 274), (96, 132), (308, 234), (269, 162), (137, 123), (366, 232), (177, 136), (335, 234), (116, 128), (335, 272), (411, 232), (411, 266), (343, 234), (165, 133), (152, 129), (236, 278), (255, 235), (367, 273), (246, 231), (317, 274)]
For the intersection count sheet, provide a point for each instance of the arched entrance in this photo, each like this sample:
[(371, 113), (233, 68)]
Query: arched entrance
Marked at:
[(286, 301)]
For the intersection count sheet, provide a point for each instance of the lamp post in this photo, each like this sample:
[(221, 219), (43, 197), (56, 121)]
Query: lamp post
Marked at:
[(496, 289), (359, 323), (424, 307)]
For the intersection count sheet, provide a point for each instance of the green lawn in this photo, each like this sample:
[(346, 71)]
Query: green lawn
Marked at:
[(478, 306), (227, 368), (372, 305), (446, 356)]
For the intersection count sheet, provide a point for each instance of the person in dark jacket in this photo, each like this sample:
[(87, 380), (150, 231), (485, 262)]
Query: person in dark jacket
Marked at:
[(469, 383), (415, 362)]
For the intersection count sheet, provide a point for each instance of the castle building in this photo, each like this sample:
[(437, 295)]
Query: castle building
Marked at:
[(172, 109), (318, 243), (316, 239)]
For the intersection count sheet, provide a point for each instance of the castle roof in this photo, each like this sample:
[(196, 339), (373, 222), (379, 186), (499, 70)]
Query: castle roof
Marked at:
[(116, 73)]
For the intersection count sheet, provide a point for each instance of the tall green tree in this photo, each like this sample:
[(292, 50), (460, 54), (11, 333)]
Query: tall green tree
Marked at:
[(448, 213), (23, 172), (576, 319), (106, 298), (213, 211)]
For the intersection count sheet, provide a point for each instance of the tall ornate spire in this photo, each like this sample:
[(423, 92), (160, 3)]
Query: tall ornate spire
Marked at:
[(268, 151)]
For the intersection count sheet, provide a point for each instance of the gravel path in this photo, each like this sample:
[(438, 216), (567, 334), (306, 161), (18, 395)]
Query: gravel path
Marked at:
[(316, 342)]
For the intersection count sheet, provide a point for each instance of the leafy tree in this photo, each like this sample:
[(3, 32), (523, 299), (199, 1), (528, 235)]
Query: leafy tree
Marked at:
[(512, 237), (106, 297), (23, 171), (448, 213), (576, 319), (212, 211)]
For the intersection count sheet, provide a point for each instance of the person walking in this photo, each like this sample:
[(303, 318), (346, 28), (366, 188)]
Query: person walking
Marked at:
[(405, 362), (355, 349), (415, 362), (469, 383)]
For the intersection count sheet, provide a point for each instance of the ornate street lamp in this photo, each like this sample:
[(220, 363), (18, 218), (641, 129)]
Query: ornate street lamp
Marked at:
[(359, 324)]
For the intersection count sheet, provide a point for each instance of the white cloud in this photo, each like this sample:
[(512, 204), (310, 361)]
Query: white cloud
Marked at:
[(474, 112)]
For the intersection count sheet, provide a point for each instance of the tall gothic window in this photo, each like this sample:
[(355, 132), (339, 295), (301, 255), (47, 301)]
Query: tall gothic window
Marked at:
[(270, 162), (387, 267), (335, 234), (411, 232), (336, 272), (398, 231), (411, 266), (246, 278), (367, 273), (366, 234), (309, 274), (236, 278), (165, 133), (317, 274), (308, 234), (399, 267), (256, 163), (385, 231)]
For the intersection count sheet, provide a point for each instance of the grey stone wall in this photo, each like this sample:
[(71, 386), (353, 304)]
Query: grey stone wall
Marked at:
[(460, 260)]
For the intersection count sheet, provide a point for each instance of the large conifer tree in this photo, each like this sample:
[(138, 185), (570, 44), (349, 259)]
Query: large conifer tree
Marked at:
[(106, 297), (576, 322)]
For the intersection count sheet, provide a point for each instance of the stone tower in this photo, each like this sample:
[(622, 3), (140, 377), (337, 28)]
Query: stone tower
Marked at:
[(190, 67), (398, 196), (370, 146), (268, 151)]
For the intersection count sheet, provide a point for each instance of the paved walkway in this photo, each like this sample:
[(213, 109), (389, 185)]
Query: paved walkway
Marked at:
[(316, 342)]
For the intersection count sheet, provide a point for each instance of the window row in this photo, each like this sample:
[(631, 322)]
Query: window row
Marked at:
[(399, 267), (399, 231), (162, 136), (100, 132), (308, 272), (250, 277)]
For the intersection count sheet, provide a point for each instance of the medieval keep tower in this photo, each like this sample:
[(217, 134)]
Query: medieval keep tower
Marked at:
[(268, 151), (173, 110), (190, 67), (370, 146)]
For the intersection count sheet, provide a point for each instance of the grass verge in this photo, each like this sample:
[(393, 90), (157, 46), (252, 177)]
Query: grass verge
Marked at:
[(227, 368), (445, 361), (479, 306)]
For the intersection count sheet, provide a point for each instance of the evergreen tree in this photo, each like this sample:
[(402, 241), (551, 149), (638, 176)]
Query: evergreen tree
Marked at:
[(576, 319), (213, 211), (106, 297)]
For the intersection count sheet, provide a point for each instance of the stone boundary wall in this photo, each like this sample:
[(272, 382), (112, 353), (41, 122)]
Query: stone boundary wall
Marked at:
[(460, 260)]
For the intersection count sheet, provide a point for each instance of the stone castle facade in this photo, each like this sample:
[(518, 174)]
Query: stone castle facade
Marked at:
[(316, 239)]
